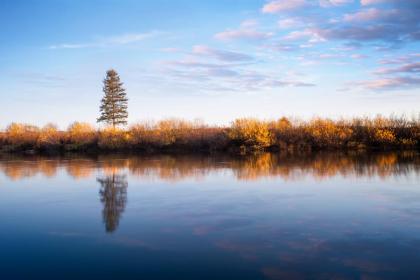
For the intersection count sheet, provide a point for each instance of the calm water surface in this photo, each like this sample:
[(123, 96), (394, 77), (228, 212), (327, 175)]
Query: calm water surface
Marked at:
[(318, 216)]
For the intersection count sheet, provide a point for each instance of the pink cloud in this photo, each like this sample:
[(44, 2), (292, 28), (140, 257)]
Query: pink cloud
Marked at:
[(282, 5), (242, 34), (372, 2), (369, 15), (222, 55), (406, 68), (391, 83), (330, 3), (289, 23), (310, 35)]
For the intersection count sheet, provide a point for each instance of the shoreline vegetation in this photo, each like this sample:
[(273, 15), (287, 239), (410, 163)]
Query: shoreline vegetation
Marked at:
[(242, 136)]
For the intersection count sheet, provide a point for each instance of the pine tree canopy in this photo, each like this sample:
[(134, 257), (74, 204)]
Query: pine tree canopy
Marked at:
[(114, 104)]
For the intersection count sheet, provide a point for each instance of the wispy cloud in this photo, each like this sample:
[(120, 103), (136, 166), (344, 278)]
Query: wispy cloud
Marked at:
[(372, 2), (402, 74), (332, 3), (249, 23), (391, 83), (228, 76), (401, 59), (223, 55), (370, 15), (397, 23), (289, 23), (309, 35), (282, 47), (247, 32), (283, 5), (242, 34), (406, 68), (123, 39)]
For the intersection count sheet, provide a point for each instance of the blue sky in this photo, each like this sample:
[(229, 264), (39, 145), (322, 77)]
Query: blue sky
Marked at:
[(211, 60)]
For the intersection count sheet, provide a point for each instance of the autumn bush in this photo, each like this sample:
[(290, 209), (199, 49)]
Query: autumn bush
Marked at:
[(143, 135), (80, 135), (196, 135), (172, 131), (290, 134), (21, 136), (209, 138), (175, 133), (2, 138), (49, 137), (113, 138), (251, 133), (384, 136), (325, 133)]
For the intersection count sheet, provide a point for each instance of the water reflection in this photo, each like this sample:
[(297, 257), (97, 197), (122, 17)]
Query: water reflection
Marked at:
[(113, 194), (230, 224), (175, 168)]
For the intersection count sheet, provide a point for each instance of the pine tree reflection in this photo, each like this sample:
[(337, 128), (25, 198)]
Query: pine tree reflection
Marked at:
[(113, 194)]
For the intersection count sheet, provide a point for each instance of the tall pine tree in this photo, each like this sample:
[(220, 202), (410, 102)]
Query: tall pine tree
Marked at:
[(114, 103)]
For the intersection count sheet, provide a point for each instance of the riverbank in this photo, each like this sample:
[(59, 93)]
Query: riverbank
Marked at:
[(242, 136)]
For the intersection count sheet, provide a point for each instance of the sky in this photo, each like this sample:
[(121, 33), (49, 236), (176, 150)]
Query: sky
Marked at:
[(213, 60)]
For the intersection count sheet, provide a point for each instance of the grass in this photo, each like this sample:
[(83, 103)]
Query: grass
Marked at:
[(242, 136)]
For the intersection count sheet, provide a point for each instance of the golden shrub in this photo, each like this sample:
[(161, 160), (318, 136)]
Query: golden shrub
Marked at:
[(2, 138), (113, 138), (22, 134), (381, 122), (173, 131), (282, 124), (384, 136), (166, 132), (143, 133), (251, 132), (408, 142), (328, 133), (81, 133), (49, 136)]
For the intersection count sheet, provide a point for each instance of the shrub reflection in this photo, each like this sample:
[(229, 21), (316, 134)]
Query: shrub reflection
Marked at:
[(175, 168)]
